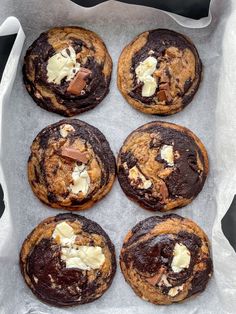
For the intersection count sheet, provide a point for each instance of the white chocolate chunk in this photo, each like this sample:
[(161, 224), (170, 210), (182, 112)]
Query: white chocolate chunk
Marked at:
[(35, 279), (83, 257), (167, 154), (181, 258), (74, 262), (143, 72), (65, 129), (62, 65), (81, 180), (65, 233), (146, 68), (151, 52), (149, 86), (135, 175), (164, 282), (175, 290)]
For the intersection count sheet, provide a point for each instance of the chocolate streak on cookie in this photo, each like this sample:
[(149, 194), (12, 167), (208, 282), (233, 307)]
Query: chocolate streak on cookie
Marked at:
[(155, 253), (201, 278), (185, 181), (145, 226), (58, 285), (91, 135), (158, 41), (97, 84)]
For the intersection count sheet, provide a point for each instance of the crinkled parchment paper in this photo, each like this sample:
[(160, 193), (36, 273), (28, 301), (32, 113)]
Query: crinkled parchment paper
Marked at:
[(211, 115)]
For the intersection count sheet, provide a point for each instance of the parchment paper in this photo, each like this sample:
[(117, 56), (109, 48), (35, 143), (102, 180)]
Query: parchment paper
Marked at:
[(211, 115)]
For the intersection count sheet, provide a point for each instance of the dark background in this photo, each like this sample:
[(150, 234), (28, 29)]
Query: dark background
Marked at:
[(190, 8), (195, 9)]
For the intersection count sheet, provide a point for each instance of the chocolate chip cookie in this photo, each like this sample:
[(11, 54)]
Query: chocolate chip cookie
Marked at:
[(159, 72), (162, 166), (68, 260), (166, 259), (71, 165), (67, 70)]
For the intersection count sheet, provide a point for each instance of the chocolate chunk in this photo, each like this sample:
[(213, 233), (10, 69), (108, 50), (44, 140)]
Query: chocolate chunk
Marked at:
[(154, 280), (78, 83), (164, 95), (164, 191), (164, 86), (74, 154), (161, 95)]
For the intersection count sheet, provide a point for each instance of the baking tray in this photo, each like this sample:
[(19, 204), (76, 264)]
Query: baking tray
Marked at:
[(24, 211)]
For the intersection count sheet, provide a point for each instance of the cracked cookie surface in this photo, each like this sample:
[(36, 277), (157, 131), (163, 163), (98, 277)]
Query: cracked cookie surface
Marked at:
[(48, 272), (67, 70), (71, 165), (162, 166), (166, 259), (159, 72)]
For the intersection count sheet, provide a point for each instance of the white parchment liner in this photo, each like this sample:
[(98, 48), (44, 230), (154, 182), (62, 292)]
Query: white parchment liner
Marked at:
[(211, 115)]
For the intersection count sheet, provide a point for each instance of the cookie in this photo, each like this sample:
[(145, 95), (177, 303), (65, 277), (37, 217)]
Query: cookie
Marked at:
[(159, 72), (68, 260), (71, 165), (67, 70), (162, 166), (166, 259)]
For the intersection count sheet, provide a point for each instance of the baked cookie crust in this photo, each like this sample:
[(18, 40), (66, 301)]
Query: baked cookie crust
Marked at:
[(166, 259), (46, 273), (159, 72), (71, 165), (162, 166), (67, 70)]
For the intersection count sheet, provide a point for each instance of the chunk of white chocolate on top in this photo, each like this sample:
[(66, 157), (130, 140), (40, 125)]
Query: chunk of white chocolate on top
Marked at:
[(65, 233), (62, 65), (136, 176), (175, 290), (167, 154), (83, 257), (81, 180), (164, 281), (181, 259), (65, 129), (144, 73), (77, 256), (149, 86)]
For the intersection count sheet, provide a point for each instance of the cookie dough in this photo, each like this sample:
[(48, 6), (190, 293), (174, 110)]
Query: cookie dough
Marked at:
[(68, 260), (162, 166), (166, 259), (71, 165), (159, 72), (67, 70)]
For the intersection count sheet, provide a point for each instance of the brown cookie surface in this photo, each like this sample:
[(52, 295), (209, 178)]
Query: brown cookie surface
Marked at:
[(159, 72), (68, 260), (162, 166), (166, 259), (71, 165), (67, 70)]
